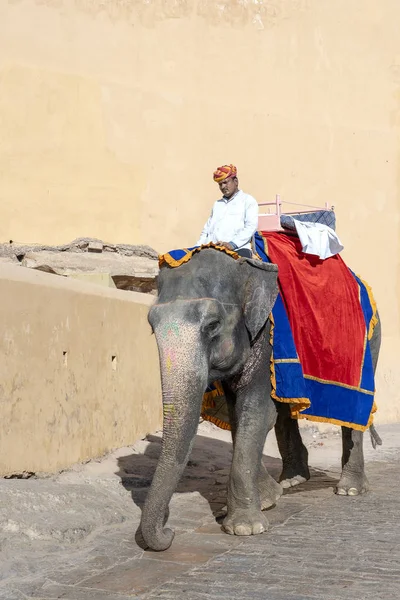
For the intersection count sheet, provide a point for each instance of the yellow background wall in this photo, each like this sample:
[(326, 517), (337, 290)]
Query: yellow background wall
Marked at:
[(114, 113)]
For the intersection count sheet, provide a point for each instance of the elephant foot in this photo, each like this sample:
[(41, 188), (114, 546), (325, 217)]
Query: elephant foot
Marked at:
[(352, 484), (294, 475), (270, 492), (292, 481), (245, 522)]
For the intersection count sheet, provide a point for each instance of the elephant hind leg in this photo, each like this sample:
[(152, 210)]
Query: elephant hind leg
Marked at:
[(293, 452), (353, 480)]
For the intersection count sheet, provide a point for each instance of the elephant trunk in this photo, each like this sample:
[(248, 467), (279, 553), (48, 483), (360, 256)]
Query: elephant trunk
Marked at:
[(184, 379)]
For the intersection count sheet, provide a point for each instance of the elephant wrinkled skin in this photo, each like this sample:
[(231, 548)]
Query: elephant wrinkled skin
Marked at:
[(211, 322)]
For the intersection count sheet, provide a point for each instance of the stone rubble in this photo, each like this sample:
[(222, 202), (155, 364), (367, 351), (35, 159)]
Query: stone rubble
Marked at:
[(129, 267)]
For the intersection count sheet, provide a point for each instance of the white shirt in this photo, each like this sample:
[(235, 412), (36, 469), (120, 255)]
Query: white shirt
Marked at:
[(232, 220)]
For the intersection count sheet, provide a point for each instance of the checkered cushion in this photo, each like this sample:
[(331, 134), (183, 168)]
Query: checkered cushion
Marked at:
[(326, 217)]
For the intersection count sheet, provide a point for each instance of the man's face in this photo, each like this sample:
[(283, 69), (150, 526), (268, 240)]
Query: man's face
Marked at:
[(229, 186)]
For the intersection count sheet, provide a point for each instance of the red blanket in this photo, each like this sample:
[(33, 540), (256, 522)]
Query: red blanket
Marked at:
[(324, 310)]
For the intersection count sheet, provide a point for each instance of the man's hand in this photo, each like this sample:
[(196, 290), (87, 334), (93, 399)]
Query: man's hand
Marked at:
[(226, 245)]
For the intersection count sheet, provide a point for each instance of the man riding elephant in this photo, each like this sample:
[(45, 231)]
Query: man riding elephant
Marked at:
[(234, 217)]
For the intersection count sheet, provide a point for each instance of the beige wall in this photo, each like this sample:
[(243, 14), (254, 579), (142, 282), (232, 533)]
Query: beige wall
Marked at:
[(58, 409), (114, 113)]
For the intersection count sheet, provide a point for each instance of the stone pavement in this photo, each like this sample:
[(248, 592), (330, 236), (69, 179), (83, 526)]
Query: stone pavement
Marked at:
[(71, 536)]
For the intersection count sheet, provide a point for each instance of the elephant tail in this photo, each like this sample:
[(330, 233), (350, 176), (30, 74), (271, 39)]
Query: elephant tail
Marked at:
[(375, 438)]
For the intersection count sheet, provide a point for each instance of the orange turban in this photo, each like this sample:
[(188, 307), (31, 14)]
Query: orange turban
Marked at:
[(224, 173)]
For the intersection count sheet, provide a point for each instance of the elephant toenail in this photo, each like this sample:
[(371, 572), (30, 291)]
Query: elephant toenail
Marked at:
[(228, 529), (258, 528), (242, 530)]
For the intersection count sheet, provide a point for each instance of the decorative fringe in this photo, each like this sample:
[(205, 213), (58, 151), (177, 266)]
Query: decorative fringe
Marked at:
[(297, 415), (218, 388), (371, 327), (216, 421), (209, 403), (172, 262), (374, 319), (208, 398)]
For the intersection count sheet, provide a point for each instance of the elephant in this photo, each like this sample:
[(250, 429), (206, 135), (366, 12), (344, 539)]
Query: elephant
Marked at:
[(211, 320)]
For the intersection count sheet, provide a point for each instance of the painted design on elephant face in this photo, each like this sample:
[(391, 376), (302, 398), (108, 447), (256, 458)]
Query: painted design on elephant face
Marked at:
[(170, 330)]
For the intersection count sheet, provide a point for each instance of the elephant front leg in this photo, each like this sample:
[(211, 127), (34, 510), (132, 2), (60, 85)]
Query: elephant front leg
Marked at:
[(270, 490), (292, 450), (255, 415), (353, 480)]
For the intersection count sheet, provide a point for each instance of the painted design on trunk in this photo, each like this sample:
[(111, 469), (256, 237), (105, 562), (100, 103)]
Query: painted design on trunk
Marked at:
[(168, 412), (170, 333), (170, 359)]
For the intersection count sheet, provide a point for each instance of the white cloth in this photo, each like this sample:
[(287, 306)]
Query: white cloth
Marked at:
[(232, 220), (318, 239)]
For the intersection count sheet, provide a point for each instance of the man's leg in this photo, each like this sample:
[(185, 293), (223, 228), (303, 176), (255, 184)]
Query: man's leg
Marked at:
[(244, 252)]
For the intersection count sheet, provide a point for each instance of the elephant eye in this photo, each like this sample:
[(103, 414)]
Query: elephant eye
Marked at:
[(212, 328)]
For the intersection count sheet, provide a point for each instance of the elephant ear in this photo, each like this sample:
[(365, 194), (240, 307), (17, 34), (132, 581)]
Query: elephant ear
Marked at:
[(260, 292)]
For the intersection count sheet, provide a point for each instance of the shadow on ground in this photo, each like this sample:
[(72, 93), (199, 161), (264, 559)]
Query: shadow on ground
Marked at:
[(207, 472)]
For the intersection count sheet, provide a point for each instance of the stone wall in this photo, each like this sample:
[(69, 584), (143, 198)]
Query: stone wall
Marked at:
[(78, 372)]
